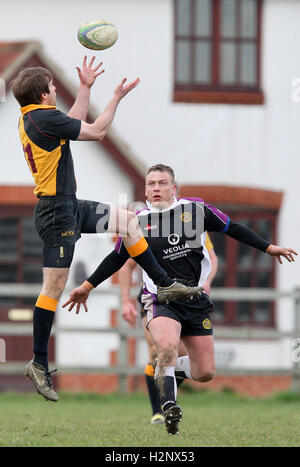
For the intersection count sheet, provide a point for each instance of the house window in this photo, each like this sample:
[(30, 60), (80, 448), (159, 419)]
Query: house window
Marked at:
[(217, 51), (20, 252), (243, 266)]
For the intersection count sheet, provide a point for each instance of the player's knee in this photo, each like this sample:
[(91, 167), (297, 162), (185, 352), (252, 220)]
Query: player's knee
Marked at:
[(168, 356), (152, 353), (206, 375)]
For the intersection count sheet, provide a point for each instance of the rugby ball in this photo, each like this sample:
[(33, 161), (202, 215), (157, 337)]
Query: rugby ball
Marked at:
[(97, 34)]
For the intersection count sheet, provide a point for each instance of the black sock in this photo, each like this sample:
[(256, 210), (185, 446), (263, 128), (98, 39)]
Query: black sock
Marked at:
[(153, 394), (42, 324), (179, 381), (166, 387)]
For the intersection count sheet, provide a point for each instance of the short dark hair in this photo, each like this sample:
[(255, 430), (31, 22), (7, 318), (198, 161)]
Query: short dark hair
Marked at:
[(162, 168), (30, 84)]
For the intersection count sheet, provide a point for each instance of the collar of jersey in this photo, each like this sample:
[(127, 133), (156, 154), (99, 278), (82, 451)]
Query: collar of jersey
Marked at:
[(30, 107), (153, 209)]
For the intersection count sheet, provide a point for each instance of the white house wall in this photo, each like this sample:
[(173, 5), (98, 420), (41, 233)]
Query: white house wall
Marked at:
[(255, 146)]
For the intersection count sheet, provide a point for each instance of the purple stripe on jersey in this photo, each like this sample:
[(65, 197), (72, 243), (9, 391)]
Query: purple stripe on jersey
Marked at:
[(154, 299), (221, 215), (118, 244), (141, 210)]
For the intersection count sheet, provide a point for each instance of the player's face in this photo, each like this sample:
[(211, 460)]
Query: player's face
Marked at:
[(160, 190)]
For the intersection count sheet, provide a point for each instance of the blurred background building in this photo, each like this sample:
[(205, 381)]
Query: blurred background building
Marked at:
[(218, 101)]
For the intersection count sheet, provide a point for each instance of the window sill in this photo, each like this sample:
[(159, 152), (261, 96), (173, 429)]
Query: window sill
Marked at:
[(219, 97)]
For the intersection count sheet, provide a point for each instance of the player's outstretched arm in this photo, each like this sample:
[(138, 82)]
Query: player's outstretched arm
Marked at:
[(97, 130), (87, 77), (111, 264), (79, 297), (280, 251)]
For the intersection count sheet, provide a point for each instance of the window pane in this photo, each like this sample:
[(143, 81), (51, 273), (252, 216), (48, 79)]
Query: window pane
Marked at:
[(203, 62), (263, 260), (32, 273), (244, 312), (244, 255), (248, 18), (228, 18), (184, 17), (219, 311), (263, 279), (204, 17), (262, 313), (8, 238), (8, 273), (219, 279), (32, 242), (228, 63), (244, 279), (218, 241), (183, 62), (264, 229), (248, 64)]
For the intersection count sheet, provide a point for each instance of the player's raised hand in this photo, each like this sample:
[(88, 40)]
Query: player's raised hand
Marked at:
[(279, 251), (87, 74), (123, 89), (78, 297)]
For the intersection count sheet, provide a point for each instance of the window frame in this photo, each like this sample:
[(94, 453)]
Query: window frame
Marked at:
[(17, 212), (231, 269), (215, 92)]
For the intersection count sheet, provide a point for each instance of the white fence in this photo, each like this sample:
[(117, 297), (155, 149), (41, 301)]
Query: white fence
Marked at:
[(124, 331)]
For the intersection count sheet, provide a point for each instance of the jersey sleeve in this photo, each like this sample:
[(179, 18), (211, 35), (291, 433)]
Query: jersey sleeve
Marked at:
[(215, 220), (59, 125)]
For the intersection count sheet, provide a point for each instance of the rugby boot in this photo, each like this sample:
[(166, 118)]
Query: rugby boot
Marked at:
[(178, 291), (157, 419), (172, 417), (41, 378)]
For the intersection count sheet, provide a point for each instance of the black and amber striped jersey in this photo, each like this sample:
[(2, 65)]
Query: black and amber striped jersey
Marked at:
[(45, 133)]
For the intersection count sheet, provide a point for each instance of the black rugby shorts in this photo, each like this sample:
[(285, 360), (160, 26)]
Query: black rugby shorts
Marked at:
[(60, 221)]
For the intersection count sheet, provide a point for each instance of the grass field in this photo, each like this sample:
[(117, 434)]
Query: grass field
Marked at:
[(209, 419)]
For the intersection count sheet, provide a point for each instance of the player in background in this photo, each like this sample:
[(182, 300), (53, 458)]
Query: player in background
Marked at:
[(187, 259), (60, 218), (130, 276)]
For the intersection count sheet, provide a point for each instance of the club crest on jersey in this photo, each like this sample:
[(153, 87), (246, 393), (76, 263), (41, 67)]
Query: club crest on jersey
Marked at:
[(206, 323), (186, 217)]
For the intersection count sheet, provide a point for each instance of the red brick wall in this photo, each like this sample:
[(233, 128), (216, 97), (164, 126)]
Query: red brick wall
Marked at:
[(250, 385), (222, 194)]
